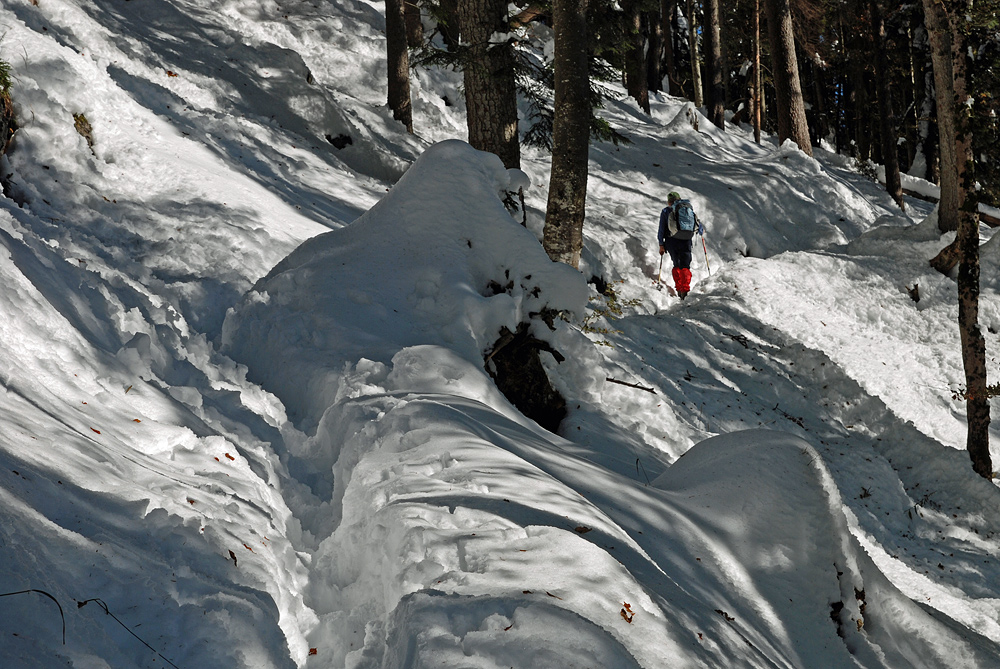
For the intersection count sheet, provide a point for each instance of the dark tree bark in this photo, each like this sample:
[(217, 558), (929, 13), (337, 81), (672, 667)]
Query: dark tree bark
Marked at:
[(911, 120), (820, 103), (490, 92), (699, 98), (727, 69), (928, 129), (860, 117), (635, 57), (790, 108), (668, 11), (563, 231), (414, 27), (757, 93), (716, 98), (448, 24), (939, 34), (398, 61), (887, 120), (654, 63), (845, 97), (518, 372), (944, 20)]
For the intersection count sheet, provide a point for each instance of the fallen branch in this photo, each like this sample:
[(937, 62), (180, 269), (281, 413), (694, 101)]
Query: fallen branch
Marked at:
[(985, 215), (42, 592), (107, 611), (630, 385), (739, 339)]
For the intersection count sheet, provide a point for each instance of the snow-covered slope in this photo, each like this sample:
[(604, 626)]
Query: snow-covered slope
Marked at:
[(229, 439)]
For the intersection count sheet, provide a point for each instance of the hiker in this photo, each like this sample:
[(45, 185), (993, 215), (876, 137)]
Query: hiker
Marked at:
[(677, 227)]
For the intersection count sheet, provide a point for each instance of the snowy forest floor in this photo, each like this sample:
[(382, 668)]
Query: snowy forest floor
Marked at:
[(306, 465)]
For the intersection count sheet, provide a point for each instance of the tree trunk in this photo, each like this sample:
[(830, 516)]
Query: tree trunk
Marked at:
[(757, 93), (944, 20), (791, 109), (860, 104), (713, 48), (448, 10), (845, 94), (668, 12), (820, 103), (564, 214), (654, 71), (939, 34), (973, 344), (490, 92), (414, 27), (635, 58), (890, 150), (929, 130), (915, 93), (398, 61), (699, 100), (727, 70)]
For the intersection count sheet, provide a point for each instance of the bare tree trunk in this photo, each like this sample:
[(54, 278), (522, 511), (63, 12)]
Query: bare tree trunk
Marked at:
[(668, 12), (654, 71), (449, 25), (699, 99), (414, 27), (819, 92), (916, 95), (890, 150), (490, 92), (939, 34), (929, 131), (727, 81), (787, 87), (716, 90), (944, 19), (635, 59), (398, 61), (859, 97), (757, 94), (562, 235)]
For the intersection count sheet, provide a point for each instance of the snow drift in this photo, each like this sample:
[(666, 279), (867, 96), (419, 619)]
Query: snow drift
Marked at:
[(428, 548), (438, 262)]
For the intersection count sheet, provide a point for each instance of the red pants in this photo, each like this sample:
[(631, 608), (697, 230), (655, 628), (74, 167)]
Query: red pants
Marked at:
[(682, 279)]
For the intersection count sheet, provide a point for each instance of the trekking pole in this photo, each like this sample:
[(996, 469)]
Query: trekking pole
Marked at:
[(704, 247), (658, 272)]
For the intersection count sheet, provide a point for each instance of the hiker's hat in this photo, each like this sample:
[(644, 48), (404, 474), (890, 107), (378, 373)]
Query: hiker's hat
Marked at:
[(673, 195)]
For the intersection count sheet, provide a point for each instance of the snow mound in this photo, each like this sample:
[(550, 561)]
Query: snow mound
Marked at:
[(439, 261), (764, 506)]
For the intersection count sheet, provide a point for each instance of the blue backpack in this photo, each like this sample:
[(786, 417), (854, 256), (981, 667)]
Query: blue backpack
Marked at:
[(682, 222)]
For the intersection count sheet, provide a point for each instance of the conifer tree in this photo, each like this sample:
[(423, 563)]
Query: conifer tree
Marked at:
[(946, 27), (716, 101), (788, 89), (636, 75), (890, 152), (564, 215), (490, 88), (398, 61), (693, 50)]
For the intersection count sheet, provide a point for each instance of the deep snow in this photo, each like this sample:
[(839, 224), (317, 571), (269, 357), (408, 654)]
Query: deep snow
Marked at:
[(245, 406)]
